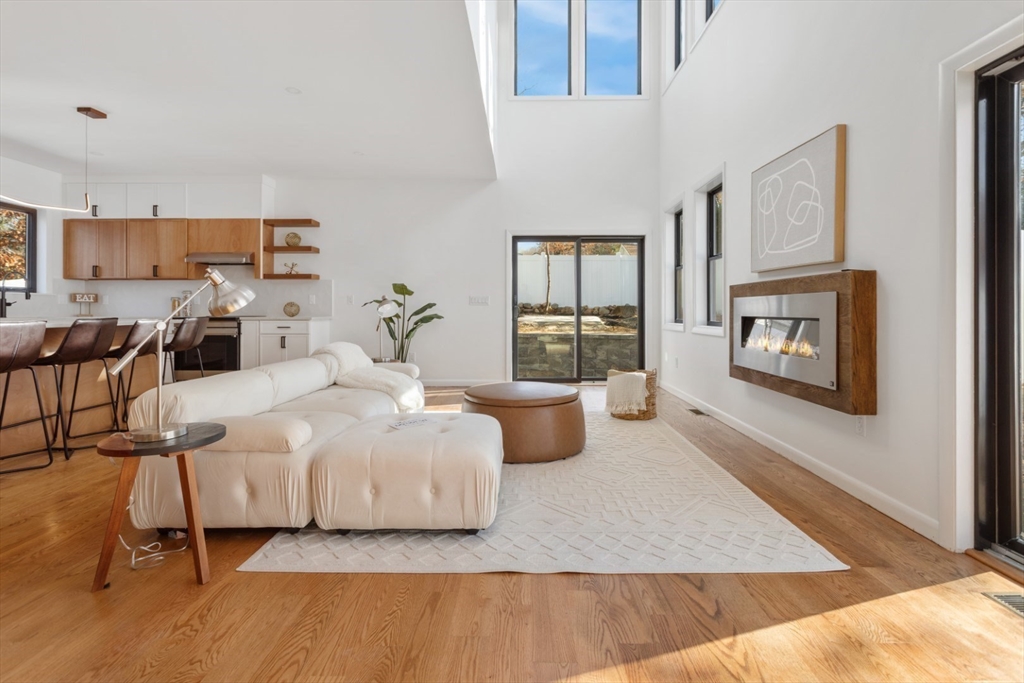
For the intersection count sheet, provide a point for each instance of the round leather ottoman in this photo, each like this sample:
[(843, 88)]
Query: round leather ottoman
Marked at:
[(540, 422)]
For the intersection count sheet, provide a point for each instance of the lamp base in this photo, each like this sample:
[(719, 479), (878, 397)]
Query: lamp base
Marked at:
[(151, 433)]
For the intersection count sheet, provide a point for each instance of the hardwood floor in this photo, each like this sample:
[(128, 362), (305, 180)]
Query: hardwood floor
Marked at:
[(907, 610)]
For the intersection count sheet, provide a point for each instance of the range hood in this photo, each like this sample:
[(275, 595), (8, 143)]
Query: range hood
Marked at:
[(222, 258)]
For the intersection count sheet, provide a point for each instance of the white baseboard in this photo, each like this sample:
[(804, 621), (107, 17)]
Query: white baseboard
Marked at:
[(922, 524)]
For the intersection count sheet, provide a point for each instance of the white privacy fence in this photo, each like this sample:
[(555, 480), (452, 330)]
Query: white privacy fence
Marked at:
[(606, 280)]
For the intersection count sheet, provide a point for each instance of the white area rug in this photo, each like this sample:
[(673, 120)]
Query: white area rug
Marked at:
[(638, 499)]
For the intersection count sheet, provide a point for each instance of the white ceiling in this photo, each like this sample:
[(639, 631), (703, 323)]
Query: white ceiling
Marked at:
[(390, 88)]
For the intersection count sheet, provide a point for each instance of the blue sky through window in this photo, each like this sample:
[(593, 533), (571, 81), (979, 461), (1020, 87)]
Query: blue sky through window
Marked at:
[(542, 47), (612, 47)]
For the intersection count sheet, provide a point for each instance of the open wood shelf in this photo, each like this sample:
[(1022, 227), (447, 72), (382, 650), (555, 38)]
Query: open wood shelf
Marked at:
[(292, 222), (269, 224), (291, 250)]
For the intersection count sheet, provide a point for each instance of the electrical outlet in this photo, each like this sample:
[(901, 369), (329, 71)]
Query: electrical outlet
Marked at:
[(312, 299), (412, 357), (479, 301), (862, 426), (350, 300), (677, 362), (666, 356)]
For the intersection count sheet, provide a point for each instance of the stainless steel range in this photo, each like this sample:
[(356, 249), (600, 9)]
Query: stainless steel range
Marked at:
[(220, 350)]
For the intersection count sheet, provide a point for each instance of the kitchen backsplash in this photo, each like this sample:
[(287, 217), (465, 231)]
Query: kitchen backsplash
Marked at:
[(152, 298)]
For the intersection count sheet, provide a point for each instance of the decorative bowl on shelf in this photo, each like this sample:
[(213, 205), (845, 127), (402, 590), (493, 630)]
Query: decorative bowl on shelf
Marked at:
[(293, 239), (291, 309)]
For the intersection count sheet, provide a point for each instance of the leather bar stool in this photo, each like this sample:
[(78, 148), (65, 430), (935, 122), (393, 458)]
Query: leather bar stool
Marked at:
[(20, 345), (136, 334), (187, 336), (86, 340)]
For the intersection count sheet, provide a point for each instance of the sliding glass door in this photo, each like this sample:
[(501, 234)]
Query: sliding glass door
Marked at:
[(1000, 321), (577, 307)]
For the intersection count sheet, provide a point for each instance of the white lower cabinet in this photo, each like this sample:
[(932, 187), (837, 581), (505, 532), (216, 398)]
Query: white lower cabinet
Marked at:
[(281, 340)]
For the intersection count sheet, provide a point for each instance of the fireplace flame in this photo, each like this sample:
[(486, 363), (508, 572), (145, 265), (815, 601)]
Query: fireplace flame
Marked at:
[(786, 347)]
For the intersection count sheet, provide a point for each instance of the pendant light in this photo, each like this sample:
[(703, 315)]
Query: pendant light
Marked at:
[(90, 113)]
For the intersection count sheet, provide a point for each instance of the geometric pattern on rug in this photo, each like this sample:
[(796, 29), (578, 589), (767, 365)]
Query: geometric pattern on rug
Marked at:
[(639, 499)]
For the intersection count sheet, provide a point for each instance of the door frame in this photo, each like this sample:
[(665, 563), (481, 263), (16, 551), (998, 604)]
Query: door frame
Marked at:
[(512, 314)]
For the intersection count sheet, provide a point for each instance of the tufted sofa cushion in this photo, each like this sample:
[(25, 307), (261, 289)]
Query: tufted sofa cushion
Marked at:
[(239, 488), (266, 432), (359, 403), (246, 392), (443, 475), (295, 378)]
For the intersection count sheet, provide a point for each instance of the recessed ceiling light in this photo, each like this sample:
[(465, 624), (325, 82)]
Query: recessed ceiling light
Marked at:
[(357, 153), (292, 90)]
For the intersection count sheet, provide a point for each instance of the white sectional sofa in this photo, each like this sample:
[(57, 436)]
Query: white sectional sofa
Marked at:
[(284, 418)]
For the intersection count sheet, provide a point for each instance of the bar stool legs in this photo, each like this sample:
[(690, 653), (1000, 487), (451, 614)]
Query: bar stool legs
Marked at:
[(67, 417), (42, 422)]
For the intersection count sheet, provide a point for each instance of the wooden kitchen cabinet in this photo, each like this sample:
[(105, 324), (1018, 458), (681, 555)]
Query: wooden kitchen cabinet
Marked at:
[(95, 249), (234, 235), (157, 249)]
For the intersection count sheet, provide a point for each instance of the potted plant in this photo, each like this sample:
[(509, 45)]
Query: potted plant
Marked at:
[(402, 327)]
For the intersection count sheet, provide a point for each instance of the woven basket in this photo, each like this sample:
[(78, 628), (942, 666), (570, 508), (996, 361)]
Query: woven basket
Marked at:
[(651, 411)]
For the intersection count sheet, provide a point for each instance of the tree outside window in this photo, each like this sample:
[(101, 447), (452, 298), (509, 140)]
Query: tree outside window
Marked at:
[(17, 247)]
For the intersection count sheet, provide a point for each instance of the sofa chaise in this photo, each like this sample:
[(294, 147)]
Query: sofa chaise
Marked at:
[(310, 439)]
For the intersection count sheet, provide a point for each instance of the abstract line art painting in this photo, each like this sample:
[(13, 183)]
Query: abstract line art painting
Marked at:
[(798, 205)]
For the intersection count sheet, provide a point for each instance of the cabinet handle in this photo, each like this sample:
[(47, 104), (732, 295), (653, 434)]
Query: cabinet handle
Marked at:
[(154, 271), (95, 210), (283, 344), (156, 213), (284, 327), (95, 271)]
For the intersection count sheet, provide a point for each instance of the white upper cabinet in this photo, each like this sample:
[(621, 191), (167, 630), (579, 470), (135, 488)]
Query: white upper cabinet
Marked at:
[(108, 199), (157, 200)]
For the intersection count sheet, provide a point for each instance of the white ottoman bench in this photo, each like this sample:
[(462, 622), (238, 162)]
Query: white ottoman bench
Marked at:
[(443, 475)]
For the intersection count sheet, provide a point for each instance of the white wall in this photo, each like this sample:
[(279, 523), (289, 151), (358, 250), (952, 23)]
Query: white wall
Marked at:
[(564, 168), (764, 78)]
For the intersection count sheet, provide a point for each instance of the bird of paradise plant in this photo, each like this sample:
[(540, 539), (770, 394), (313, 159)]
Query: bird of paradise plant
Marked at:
[(403, 327)]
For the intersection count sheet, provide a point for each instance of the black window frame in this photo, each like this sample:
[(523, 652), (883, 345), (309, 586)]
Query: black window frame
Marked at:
[(710, 7), (515, 52), (679, 33), (586, 49), (712, 254), (679, 313), (30, 247), (997, 248)]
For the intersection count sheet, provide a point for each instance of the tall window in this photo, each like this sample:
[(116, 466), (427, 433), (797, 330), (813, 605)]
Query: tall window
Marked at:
[(710, 7), (678, 252), (612, 47), (716, 266), (574, 48), (543, 64), (678, 34), (18, 247)]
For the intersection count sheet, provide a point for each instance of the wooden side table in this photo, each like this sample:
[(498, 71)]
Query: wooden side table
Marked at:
[(117, 446)]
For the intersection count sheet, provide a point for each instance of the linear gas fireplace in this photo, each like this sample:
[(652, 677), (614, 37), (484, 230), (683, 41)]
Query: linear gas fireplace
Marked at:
[(810, 337)]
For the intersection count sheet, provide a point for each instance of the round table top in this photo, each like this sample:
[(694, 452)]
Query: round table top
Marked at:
[(199, 434), (521, 394)]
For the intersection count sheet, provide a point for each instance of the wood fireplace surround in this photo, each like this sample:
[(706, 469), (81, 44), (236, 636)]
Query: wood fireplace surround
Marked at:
[(850, 346)]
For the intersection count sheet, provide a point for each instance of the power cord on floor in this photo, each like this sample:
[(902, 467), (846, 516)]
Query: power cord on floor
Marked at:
[(156, 555)]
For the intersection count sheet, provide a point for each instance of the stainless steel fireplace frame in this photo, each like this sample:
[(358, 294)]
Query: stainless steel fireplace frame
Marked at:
[(822, 306)]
